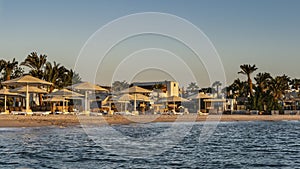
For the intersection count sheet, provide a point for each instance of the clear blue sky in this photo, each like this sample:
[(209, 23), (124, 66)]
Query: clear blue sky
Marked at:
[(261, 32)]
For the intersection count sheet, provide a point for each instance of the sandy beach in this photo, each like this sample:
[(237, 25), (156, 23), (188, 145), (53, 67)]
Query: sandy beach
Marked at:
[(70, 120)]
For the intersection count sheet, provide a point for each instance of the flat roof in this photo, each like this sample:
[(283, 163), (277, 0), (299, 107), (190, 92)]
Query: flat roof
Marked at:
[(150, 83)]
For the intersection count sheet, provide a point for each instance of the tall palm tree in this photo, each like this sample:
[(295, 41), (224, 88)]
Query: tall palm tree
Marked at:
[(36, 63), (51, 74), (217, 85), (278, 86), (119, 85), (239, 88), (295, 83), (65, 77), (263, 80), (248, 70), (193, 87), (261, 95), (158, 88), (75, 77), (8, 67)]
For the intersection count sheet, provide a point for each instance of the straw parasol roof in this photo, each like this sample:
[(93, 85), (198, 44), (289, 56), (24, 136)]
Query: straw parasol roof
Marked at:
[(8, 92), (54, 99), (128, 97), (135, 89), (214, 100), (142, 97), (124, 97), (173, 99), (200, 95), (86, 86), (27, 79), (65, 93), (31, 89)]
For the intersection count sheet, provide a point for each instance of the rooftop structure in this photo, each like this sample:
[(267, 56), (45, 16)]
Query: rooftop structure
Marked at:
[(171, 88)]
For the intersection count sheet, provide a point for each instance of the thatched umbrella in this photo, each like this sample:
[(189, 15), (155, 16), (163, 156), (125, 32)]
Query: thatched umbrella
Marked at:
[(6, 92), (27, 81), (125, 98), (86, 86), (64, 93), (173, 99), (135, 90), (200, 96), (55, 99)]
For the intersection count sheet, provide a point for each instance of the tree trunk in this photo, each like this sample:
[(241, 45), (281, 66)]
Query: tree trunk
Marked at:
[(40, 98), (51, 88), (250, 86), (8, 75)]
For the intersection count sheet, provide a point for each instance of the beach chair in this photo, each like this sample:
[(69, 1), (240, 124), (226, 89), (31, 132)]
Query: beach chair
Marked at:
[(46, 113), (4, 113), (28, 113)]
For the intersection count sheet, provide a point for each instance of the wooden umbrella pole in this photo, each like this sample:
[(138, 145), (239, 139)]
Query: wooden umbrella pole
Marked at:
[(5, 103), (134, 102), (27, 98), (199, 104)]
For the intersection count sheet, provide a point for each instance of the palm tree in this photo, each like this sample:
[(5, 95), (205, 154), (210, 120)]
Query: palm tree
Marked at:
[(295, 83), (278, 86), (65, 77), (36, 63), (193, 87), (261, 95), (248, 70), (51, 74), (60, 76), (263, 80), (239, 88), (207, 90), (158, 88), (8, 67), (17, 72), (119, 85), (217, 85), (75, 77)]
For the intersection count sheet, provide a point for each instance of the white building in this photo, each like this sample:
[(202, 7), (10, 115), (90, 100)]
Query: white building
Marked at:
[(170, 88)]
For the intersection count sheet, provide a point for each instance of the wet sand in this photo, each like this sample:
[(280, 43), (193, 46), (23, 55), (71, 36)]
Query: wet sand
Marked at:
[(70, 120)]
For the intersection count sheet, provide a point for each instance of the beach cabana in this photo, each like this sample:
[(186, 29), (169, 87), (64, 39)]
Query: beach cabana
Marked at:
[(26, 81), (173, 99), (215, 103), (200, 96), (6, 92), (86, 86), (135, 90), (125, 98), (55, 99), (64, 93), (30, 89)]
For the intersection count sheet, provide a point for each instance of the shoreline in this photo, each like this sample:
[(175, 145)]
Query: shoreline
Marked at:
[(72, 120)]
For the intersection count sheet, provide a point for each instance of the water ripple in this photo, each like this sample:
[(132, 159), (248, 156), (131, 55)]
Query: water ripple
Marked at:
[(233, 145)]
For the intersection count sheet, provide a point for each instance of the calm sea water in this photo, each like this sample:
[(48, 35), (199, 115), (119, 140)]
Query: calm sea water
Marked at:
[(233, 145)]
